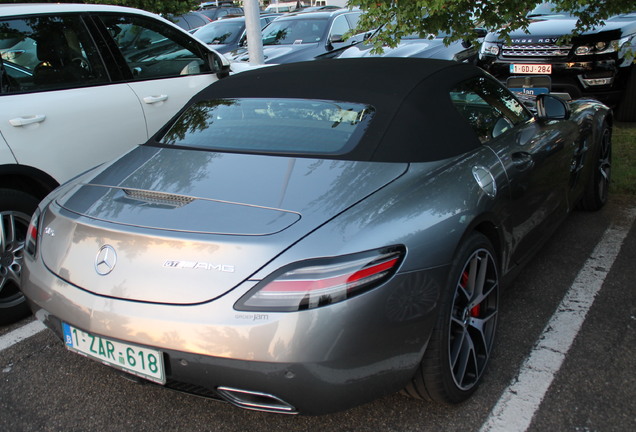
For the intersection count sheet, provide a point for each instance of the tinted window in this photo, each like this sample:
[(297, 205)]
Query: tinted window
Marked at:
[(489, 108), (353, 19), (155, 50), (190, 20), (48, 52), (220, 32), (340, 26), (296, 31), (292, 126)]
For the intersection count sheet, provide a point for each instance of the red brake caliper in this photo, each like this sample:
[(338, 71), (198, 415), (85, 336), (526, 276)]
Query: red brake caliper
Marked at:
[(464, 280), (474, 312)]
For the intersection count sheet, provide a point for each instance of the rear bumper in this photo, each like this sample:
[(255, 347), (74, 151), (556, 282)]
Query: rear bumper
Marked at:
[(311, 362)]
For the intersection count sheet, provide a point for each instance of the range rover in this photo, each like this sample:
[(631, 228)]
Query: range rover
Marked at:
[(598, 63)]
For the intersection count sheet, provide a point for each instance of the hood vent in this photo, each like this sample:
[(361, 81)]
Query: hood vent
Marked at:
[(150, 197)]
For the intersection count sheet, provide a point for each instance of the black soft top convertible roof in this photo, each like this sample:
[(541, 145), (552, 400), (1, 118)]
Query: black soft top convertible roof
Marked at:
[(414, 121)]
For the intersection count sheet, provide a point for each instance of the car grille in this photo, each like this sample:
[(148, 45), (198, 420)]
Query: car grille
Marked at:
[(536, 50)]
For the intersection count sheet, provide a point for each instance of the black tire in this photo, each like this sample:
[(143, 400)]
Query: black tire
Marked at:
[(461, 343), (626, 110), (16, 208), (596, 190)]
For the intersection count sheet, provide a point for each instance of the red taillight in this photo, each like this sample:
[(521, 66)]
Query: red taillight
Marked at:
[(321, 282)]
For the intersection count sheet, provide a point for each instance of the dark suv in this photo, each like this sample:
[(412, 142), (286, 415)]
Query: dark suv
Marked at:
[(598, 63)]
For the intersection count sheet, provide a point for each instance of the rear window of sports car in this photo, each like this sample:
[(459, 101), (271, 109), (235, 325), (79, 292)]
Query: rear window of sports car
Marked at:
[(263, 125)]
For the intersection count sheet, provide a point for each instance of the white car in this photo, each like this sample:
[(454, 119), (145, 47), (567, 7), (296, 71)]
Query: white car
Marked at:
[(79, 85)]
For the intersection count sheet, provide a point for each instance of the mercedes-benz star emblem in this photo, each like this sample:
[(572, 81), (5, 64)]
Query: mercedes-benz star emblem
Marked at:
[(105, 260)]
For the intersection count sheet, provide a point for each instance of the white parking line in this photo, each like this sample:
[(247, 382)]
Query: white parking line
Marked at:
[(20, 334), (520, 401)]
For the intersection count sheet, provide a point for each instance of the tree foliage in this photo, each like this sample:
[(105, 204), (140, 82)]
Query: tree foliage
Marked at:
[(165, 7), (458, 18)]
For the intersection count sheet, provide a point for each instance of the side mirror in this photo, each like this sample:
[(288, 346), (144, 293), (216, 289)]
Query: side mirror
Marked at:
[(552, 108), (219, 64), (336, 38)]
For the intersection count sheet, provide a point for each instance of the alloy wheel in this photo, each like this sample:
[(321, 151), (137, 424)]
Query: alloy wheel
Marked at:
[(13, 228), (473, 319), (604, 165)]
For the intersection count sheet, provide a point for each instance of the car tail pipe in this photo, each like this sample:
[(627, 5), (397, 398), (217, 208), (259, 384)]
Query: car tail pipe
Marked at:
[(257, 401)]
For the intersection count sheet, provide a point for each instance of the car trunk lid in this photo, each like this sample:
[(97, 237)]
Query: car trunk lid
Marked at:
[(187, 226)]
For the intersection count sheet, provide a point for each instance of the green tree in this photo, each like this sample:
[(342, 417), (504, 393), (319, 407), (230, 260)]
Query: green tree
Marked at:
[(165, 7), (459, 18)]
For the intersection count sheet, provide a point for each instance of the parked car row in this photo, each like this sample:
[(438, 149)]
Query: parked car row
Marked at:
[(320, 34), (599, 63), (304, 36), (228, 34)]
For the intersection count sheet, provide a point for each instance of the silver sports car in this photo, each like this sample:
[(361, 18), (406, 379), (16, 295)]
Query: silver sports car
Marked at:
[(308, 237)]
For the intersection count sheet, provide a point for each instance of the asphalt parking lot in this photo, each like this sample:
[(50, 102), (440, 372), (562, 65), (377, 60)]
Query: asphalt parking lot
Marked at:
[(589, 387)]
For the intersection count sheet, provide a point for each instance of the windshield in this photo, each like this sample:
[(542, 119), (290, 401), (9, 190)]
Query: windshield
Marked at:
[(296, 31), (289, 126), (220, 32)]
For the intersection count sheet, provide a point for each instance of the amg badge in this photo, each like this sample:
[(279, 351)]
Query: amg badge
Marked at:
[(196, 265)]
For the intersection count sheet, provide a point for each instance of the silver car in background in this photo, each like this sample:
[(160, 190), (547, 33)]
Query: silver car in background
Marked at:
[(295, 243)]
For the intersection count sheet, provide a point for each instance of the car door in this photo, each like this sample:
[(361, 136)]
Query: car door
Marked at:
[(536, 155), (164, 66), (59, 111), (6, 156)]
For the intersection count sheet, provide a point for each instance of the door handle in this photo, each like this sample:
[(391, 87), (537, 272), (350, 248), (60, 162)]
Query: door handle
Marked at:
[(155, 99), (522, 161), (23, 121)]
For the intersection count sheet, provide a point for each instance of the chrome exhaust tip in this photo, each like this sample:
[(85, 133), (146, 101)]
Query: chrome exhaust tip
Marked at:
[(256, 400)]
